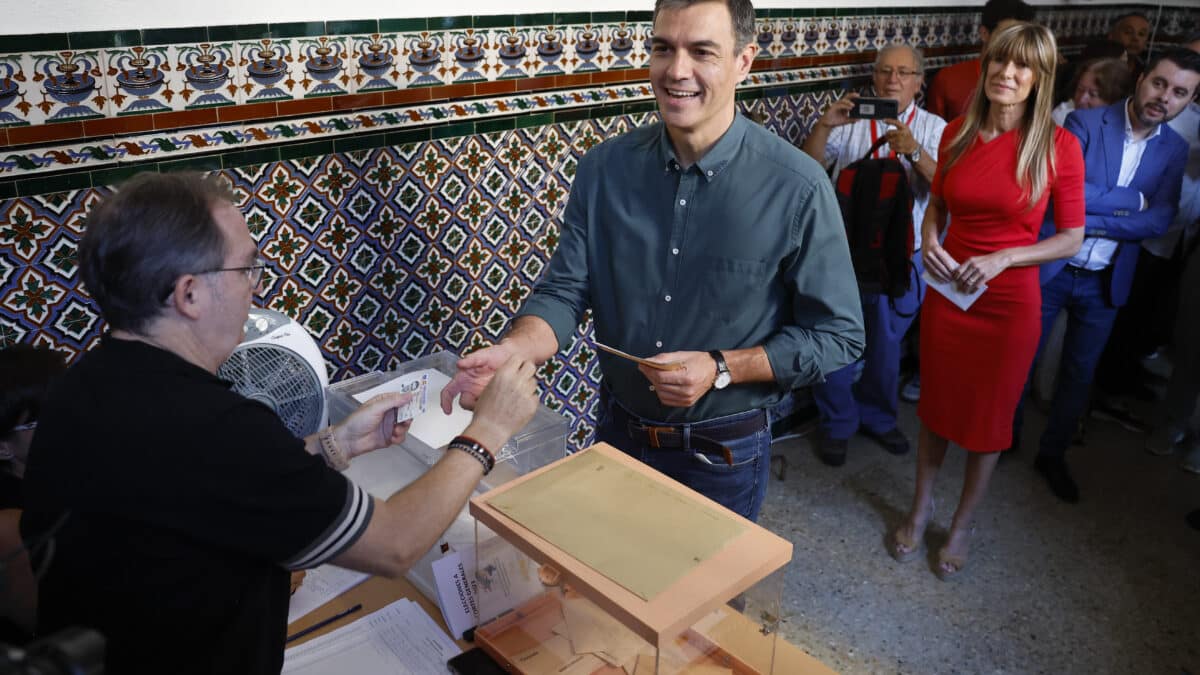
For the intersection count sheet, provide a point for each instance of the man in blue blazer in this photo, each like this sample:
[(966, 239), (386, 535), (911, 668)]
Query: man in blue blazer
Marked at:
[(1134, 168)]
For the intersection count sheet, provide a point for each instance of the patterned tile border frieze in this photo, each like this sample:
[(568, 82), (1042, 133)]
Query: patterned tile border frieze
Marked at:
[(454, 118), (62, 87)]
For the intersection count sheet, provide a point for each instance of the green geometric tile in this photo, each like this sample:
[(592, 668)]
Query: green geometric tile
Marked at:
[(640, 107), (502, 124), (572, 18), (63, 183), (570, 115), (120, 174), (201, 164), (311, 149), (402, 25), (249, 31), (103, 39), (606, 111), (19, 44), (493, 21), (8, 189), (396, 138), (362, 27), (533, 20), (230, 160), (608, 17), (450, 23), (538, 120), (297, 29), (364, 142), (453, 130), (174, 36)]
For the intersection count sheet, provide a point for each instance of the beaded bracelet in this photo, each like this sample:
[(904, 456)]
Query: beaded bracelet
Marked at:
[(333, 455), (475, 449)]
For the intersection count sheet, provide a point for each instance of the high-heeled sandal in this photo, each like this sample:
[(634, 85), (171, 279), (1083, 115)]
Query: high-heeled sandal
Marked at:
[(904, 549), (955, 563)]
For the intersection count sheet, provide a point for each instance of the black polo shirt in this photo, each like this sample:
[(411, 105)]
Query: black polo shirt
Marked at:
[(186, 506)]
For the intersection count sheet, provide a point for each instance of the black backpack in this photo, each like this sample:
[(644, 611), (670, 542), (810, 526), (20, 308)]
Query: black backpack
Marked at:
[(876, 202)]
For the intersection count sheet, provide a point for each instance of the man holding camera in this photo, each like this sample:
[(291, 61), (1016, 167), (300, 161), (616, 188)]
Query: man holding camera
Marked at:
[(837, 140)]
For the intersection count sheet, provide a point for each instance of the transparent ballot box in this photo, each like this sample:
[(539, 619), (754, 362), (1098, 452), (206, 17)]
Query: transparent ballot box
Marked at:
[(542, 441), (387, 470), (597, 564)]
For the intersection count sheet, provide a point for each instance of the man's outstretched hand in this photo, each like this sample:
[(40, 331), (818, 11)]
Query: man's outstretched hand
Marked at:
[(475, 371)]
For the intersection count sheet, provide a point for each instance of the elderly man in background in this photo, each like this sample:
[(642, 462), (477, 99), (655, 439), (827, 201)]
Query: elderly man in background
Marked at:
[(836, 141)]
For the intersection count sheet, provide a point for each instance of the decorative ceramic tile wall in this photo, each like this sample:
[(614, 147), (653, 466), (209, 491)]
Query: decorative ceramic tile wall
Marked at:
[(92, 85), (397, 224), (383, 254)]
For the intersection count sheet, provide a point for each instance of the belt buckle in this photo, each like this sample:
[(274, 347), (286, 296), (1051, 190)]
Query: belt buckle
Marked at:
[(653, 432)]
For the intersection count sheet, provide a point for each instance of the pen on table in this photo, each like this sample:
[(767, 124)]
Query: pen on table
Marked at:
[(321, 624)]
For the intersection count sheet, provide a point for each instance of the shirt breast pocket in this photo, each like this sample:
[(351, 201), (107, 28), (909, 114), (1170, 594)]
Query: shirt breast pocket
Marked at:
[(731, 287)]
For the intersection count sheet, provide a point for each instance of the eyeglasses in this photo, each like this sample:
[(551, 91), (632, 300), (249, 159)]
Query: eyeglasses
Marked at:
[(887, 73), (256, 274), (253, 272)]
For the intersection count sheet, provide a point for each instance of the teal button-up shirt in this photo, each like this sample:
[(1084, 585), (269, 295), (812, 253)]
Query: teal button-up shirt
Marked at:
[(746, 247)]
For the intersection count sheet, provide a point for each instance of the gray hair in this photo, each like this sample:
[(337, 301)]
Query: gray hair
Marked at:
[(918, 56), (741, 14), (140, 240)]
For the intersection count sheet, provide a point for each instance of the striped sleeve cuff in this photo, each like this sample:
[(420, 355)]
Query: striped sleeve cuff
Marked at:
[(341, 533)]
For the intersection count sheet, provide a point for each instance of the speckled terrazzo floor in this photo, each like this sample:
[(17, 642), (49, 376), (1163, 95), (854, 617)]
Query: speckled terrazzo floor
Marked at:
[(1109, 585)]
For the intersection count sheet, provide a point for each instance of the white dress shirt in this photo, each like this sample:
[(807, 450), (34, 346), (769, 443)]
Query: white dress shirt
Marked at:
[(850, 142), (1096, 252), (1061, 111)]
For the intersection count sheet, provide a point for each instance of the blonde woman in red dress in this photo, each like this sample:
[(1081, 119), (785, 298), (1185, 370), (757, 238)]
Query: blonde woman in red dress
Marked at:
[(1002, 162)]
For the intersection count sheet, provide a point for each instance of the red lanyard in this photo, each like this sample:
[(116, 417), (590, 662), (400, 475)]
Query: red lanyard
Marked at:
[(908, 123)]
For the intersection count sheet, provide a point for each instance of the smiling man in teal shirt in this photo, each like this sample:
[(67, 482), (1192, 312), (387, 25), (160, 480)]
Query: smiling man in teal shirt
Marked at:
[(703, 240)]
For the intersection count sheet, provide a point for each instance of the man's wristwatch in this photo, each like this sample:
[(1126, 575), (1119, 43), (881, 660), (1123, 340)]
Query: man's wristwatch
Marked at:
[(723, 376), (915, 155)]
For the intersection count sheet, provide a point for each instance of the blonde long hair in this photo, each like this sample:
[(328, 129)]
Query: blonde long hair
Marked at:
[(1029, 45)]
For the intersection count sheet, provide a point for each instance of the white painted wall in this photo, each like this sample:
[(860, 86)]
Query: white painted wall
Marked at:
[(19, 17)]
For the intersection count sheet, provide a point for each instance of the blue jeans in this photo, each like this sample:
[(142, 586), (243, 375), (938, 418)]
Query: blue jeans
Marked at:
[(845, 406), (1089, 321), (739, 487)]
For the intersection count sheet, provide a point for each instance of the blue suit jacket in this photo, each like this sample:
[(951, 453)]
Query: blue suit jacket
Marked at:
[(1115, 212)]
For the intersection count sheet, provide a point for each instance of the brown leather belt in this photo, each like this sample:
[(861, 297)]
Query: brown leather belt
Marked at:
[(706, 437)]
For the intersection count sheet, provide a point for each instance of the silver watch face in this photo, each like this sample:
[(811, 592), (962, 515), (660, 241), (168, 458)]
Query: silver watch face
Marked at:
[(722, 381)]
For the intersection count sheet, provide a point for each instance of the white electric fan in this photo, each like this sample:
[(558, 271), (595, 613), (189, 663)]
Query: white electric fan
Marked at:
[(279, 364)]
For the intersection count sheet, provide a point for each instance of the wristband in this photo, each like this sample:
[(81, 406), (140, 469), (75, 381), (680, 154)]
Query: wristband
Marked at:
[(334, 457), (475, 449)]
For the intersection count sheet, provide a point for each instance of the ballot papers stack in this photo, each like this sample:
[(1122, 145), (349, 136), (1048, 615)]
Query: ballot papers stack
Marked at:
[(400, 638), (385, 471)]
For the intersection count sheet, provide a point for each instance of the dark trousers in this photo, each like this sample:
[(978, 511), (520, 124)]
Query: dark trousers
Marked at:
[(870, 403), (1090, 319), (739, 486), (1143, 324)]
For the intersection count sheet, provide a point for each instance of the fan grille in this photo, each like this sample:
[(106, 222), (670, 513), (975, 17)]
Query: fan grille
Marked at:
[(279, 378)]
